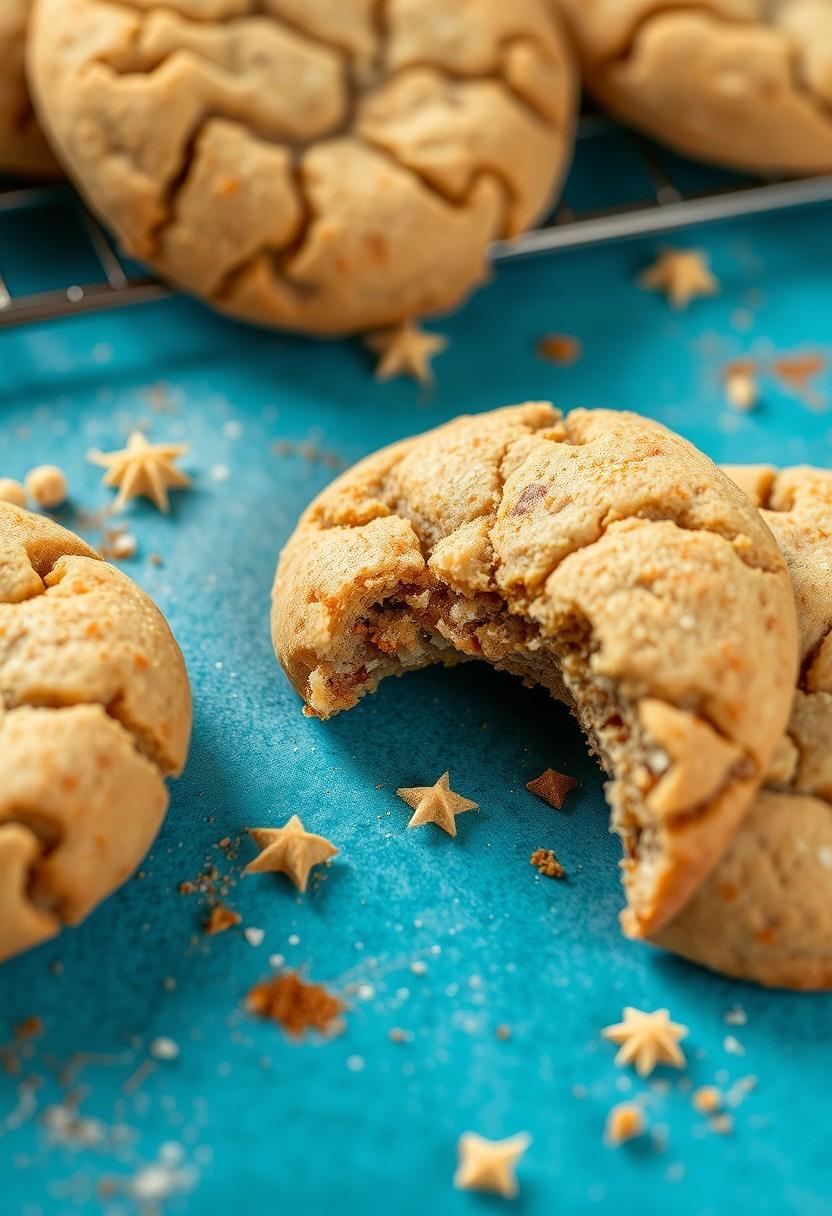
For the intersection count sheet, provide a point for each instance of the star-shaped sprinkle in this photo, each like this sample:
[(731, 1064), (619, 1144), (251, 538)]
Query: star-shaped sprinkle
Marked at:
[(647, 1039), (405, 350), (682, 274), (143, 468), (289, 850), (552, 787), (488, 1165), (436, 804)]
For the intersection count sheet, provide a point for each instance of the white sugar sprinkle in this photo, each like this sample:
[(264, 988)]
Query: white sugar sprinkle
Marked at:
[(253, 936), (163, 1048), (735, 1016)]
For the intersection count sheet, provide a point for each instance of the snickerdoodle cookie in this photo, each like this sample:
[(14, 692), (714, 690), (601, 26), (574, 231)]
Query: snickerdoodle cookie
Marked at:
[(95, 712), (598, 555), (327, 167), (744, 82), (765, 911), (23, 148)]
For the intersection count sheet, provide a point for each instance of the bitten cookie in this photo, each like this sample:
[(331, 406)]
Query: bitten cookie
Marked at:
[(599, 555), (95, 712), (765, 911), (317, 166), (744, 82), (23, 148)]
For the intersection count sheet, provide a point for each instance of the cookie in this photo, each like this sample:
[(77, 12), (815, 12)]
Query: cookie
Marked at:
[(23, 148), (598, 555), (746, 83), (95, 712), (765, 911), (309, 165)]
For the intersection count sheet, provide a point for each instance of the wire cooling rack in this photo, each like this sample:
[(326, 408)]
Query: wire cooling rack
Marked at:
[(620, 186)]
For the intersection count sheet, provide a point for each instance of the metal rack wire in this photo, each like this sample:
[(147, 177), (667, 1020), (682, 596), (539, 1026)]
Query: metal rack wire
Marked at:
[(665, 206)]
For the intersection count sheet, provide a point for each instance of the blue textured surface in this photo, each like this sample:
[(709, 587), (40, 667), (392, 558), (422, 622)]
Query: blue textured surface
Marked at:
[(360, 1122)]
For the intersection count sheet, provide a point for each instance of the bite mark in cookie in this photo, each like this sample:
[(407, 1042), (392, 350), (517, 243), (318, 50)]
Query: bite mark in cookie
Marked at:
[(636, 583)]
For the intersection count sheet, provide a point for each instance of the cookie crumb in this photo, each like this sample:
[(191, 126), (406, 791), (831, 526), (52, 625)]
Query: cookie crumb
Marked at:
[(741, 390), (294, 1004), (707, 1099), (562, 349), (723, 1125), (123, 545), (545, 860), (624, 1122), (798, 371), (552, 787), (29, 1028), (12, 491), (219, 919), (503, 1032), (46, 485)]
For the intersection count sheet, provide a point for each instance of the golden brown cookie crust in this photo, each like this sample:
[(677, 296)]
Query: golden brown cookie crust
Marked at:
[(95, 712), (765, 911), (23, 148), (599, 555), (747, 83), (307, 164)]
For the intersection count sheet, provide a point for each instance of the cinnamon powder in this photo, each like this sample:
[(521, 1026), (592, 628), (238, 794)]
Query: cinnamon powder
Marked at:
[(294, 1004)]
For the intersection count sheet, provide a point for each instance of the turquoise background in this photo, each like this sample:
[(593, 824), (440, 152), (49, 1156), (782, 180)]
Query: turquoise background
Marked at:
[(245, 1119)]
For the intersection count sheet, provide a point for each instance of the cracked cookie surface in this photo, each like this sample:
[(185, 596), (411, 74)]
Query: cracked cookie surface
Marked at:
[(765, 911), (598, 555), (747, 83), (326, 167), (95, 712), (23, 148)]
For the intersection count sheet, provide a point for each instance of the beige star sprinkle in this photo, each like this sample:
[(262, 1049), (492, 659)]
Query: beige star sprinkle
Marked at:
[(488, 1165), (647, 1039), (143, 468), (436, 804), (682, 274), (289, 850), (405, 350)]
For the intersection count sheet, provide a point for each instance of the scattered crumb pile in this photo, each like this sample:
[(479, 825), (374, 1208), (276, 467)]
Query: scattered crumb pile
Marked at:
[(545, 860), (294, 1004)]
